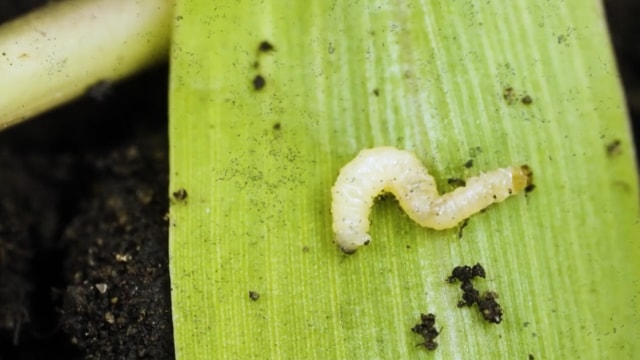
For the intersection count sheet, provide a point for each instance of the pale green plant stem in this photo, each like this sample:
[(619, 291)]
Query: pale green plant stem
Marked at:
[(54, 54)]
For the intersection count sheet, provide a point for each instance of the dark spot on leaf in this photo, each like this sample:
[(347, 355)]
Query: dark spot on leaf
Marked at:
[(265, 46), (561, 38), (180, 194), (277, 126), (527, 100), (613, 148), (509, 95), (258, 82), (254, 295), (475, 151), (622, 185), (469, 164), (376, 92)]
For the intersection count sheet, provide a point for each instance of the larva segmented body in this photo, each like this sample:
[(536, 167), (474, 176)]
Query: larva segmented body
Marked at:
[(387, 169)]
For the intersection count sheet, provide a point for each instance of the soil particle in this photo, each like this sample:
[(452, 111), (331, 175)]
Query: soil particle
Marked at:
[(258, 82), (509, 95), (180, 194), (466, 273), (613, 148), (487, 302), (426, 328), (265, 46), (253, 295), (489, 308)]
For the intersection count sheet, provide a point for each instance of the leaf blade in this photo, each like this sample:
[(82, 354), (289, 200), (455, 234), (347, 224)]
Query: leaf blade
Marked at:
[(257, 218)]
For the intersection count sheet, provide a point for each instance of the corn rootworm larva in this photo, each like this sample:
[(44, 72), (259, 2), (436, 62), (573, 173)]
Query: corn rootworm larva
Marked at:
[(387, 169)]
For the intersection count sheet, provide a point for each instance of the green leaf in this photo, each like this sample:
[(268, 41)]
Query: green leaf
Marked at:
[(448, 81)]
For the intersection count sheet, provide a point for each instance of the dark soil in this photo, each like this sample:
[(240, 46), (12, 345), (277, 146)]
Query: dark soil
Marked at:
[(426, 328), (116, 304), (83, 239), (83, 195)]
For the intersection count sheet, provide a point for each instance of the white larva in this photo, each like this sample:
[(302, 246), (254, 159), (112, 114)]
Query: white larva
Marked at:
[(387, 169)]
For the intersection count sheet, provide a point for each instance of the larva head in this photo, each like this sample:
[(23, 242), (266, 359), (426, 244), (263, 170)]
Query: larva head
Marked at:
[(522, 177), (350, 242)]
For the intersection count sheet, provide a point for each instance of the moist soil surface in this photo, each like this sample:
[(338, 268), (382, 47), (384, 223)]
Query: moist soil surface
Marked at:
[(83, 204)]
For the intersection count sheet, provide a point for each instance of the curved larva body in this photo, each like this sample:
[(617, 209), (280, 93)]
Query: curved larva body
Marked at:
[(387, 169)]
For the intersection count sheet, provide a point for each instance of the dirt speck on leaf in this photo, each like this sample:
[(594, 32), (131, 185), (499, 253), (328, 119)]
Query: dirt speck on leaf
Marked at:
[(613, 148), (180, 194), (486, 302), (265, 46), (259, 82), (426, 329), (509, 95)]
